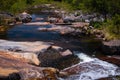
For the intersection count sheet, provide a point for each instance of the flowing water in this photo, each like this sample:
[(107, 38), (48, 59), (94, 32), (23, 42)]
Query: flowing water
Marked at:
[(93, 68)]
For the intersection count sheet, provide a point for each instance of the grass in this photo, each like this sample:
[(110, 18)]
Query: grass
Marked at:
[(110, 31)]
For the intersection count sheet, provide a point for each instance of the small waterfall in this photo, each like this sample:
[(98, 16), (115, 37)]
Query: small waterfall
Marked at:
[(84, 58), (91, 69)]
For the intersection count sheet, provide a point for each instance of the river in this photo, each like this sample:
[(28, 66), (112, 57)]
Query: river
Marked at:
[(86, 48)]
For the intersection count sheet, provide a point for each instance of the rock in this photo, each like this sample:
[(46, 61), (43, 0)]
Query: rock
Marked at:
[(14, 68), (80, 24), (62, 30), (57, 47), (27, 50), (87, 21), (90, 70), (31, 57), (5, 72), (53, 58), (111, 59), (66, 53), (48, 56), (38, 23), (111, 47), (24, 17), (67, 30), (38, 19), (10, 64)]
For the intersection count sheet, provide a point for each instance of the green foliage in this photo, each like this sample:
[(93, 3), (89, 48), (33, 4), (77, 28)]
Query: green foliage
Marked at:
[(41, 1), (29, 2), (63, 6), (112, 28), (19, 6), (96, 24), (116, 23), (1, 21)]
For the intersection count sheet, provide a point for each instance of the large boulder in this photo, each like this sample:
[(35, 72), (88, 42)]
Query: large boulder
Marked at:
[(24, 17), (58, 58)]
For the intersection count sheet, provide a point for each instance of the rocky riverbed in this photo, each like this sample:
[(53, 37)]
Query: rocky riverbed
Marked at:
[(43, 53)]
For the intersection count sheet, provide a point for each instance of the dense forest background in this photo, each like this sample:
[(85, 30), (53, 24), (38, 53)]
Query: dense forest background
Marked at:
[(110, 9)]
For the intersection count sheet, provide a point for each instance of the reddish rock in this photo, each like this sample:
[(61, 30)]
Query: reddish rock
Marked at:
[(111, 47), (112, 59), (16, 68), (27, 50), (91, 70)]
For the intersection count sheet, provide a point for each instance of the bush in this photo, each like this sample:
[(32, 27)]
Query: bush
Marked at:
[(96, 24), (116, 23), (112, 28), (18, 6)]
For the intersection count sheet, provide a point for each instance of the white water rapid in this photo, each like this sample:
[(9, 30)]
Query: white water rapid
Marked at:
[(91, 69)]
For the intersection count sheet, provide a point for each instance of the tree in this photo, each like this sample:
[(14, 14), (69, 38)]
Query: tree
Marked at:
[(5, 5)]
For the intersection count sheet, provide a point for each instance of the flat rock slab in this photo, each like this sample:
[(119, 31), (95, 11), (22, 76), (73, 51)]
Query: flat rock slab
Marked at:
[(62, 30), (32, 47), (112, 43), (38, 23), (27, 50)]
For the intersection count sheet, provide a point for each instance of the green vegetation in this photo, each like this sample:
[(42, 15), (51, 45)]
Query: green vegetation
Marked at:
[(112, 28)]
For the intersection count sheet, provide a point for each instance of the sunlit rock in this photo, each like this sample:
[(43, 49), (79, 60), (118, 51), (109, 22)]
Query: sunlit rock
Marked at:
[(111, 47), (57, 47), (38, 23), (27, 50), (66, 53), (15, 68)]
